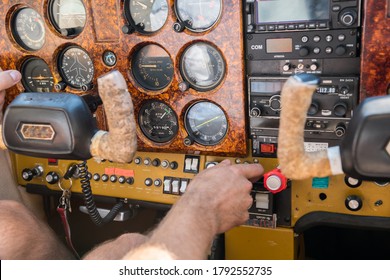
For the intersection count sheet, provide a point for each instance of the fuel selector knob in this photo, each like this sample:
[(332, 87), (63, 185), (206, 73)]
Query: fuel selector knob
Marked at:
[(353, 203), (275, 181), (340, 109)]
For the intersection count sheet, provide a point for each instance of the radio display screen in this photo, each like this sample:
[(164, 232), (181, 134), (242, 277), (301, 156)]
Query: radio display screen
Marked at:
[(266, 88), (274, 11), (282, 45)]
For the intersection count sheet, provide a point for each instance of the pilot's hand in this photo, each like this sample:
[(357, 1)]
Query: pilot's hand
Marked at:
[(221, 194), (7, 79)]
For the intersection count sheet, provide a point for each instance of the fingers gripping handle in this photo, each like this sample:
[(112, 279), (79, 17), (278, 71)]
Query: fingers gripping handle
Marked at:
[(294, 162), (120, 143)]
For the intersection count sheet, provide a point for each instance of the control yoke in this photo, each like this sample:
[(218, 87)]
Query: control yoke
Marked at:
[(364, 152), (61, 125)]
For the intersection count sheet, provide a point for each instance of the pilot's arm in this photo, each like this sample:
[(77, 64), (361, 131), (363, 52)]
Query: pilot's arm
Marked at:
[(216, 200)]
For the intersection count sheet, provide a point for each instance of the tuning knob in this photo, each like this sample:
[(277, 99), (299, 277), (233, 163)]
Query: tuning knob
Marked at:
[(313, 109), (353, 203), (348, 17), (340, 109), (29, 174), (341, 50), (340, 130), (304, 51), (255, 112)]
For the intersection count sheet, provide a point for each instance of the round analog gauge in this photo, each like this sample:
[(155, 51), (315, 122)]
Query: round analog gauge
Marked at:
[(76, 67), (206, 123), (198, 15), (202, 66), (36, 76), (146, 16), (28, 29), (158, 121), (67, 16), (152, 67)]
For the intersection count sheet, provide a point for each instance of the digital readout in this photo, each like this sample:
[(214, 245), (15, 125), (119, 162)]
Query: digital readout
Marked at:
[(327, 89), (281, 45)]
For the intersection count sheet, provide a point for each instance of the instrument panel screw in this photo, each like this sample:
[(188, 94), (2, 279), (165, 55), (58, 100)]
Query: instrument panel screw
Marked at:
[(378, 203)]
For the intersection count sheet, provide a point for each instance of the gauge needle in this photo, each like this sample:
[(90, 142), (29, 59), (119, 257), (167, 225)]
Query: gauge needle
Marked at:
[(163, 115), (149, 65), (208, 121), (142, 5)]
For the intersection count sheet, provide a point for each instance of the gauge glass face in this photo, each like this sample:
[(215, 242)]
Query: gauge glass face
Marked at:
[(198, 15), (158, 121), (28, 29), (36, 76), (147, 16), (152, 67), (202, 66), (76, 67), (67, 16), (206, 123)]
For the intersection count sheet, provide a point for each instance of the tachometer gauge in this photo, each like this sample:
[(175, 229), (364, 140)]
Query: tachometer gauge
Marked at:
[(36, 76), (202, 66), (67, 16), (28, 29), (158, 121), (146, 16), (206, 123), (152, 67), (76, 67), (198, 15)]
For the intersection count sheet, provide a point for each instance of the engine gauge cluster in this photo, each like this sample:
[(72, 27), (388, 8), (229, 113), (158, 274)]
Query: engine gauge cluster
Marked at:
[(178, 81)]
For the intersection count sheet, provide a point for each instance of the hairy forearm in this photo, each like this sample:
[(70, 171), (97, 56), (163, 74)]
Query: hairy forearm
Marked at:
[(187, 231)]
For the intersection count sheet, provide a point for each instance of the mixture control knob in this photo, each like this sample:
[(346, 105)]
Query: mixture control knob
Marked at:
[(313, 109), (340, 130), (275, 181), (348, 17), (29, 174), (341, 50), (340, 109), (52, 177), (304, 51), (353, 202)]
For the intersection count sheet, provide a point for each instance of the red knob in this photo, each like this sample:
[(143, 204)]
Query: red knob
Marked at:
[(275, 181)]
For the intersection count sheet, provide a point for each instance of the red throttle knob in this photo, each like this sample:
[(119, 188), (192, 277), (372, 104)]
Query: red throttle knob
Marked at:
[(275, 181)]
